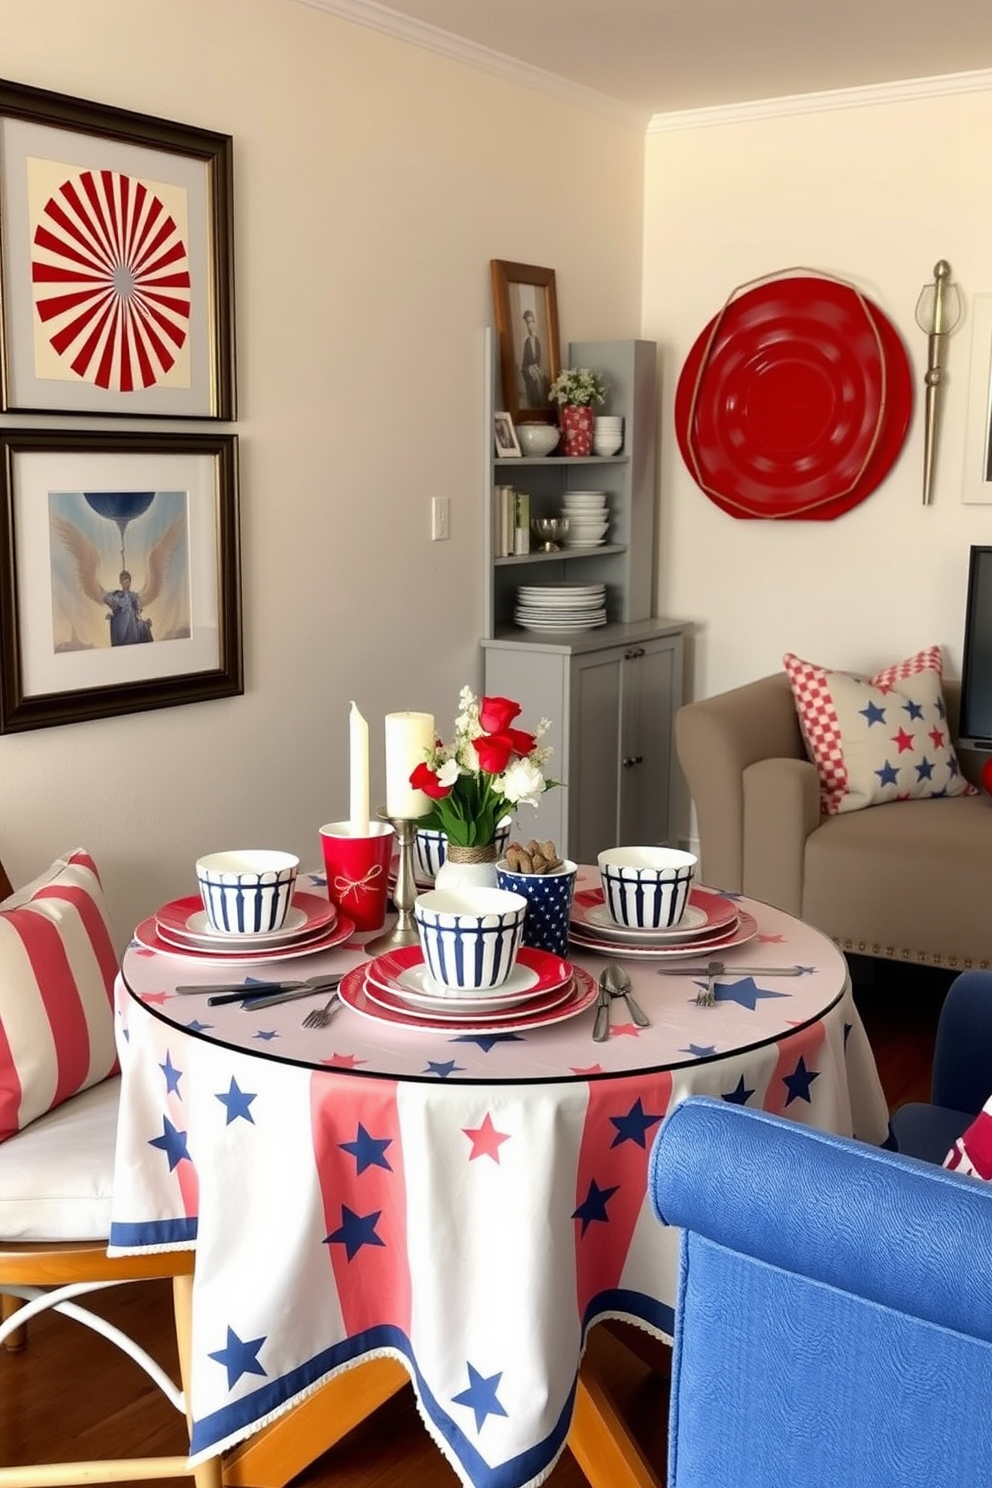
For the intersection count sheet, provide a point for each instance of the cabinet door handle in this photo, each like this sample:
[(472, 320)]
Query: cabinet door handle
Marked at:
[(632, 759), (633, 653)]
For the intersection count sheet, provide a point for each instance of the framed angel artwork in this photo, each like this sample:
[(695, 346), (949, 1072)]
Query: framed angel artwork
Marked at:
[(116, 251), (120, 574)]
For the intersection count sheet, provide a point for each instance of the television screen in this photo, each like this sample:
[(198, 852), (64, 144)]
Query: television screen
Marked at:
[(975, 727)]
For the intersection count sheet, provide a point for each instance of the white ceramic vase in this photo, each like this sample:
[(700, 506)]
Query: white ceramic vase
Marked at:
[(467, 867)]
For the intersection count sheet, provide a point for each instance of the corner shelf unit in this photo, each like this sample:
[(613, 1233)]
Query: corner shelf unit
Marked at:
[(611, 693), (624, 563)]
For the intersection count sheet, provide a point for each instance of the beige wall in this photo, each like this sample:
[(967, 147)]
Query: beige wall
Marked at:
[(875, 195), (374, 182)]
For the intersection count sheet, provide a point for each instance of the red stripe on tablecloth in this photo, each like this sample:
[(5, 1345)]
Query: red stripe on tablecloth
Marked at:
[(807, 1043), (374, 1286), (600, 1253)]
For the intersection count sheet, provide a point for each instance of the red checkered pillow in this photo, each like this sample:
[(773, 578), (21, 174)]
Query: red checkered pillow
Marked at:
[(876, 739), (972, 1152), (57, 969)]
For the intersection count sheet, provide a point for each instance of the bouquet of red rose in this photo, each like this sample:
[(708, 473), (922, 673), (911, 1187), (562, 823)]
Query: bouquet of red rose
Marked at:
[(485, 774)]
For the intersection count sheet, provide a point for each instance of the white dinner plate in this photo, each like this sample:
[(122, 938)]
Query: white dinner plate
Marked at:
[(744, 930), (184, 922), (404, 973)]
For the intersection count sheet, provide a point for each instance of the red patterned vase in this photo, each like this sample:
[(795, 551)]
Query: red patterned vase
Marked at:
[(577, 423)]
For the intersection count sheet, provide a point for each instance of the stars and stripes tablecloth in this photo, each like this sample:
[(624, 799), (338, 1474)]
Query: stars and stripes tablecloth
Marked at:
[(467, 1205)]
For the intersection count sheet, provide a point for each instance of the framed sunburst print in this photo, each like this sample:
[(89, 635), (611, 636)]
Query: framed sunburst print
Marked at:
[(116, 261)]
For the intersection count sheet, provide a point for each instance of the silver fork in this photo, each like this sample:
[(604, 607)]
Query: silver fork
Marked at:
[(706, 997), (320, 1017)]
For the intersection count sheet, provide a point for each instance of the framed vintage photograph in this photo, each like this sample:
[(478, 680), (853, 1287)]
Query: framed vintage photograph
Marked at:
[(505, 436), (116, 261), (120, 574), (977, 482), (525, 306)]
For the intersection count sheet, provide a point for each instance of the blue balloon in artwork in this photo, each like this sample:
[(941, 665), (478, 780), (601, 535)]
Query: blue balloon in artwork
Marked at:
[(119, 506)]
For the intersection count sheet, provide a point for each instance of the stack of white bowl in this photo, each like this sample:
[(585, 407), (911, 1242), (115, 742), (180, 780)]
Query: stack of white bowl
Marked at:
[(607, 435), (588, 518)]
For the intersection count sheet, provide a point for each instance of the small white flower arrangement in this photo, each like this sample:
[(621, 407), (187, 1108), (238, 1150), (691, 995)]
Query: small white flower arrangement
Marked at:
[(577, 385)]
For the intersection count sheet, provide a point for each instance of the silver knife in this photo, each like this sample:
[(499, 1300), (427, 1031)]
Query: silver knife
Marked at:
[(769, 971), (601, 1027)]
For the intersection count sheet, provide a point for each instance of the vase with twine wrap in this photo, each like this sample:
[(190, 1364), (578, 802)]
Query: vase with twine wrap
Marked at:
[(467, 867)]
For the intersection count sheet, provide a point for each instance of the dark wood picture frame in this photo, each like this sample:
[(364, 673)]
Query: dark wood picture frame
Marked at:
[(521, 290), (116, 261), (65, 656)]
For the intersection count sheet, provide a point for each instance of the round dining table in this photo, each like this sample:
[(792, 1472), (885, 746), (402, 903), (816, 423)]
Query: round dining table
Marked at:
[(466, 1201)]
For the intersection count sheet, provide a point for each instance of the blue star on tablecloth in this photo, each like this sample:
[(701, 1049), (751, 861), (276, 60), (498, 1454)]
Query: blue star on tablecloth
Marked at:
[(265, 1034), (746, 992), (195, 1026), (368, 1152), (481, 1395), (593, 1206), (355, 1231), (740, 1095), (799, 1082), (239, 1357), (634, 1126), (172, 1142), (172, 1076), (699, 1051), (442, 1068), (236, 1102), (486, 1041)]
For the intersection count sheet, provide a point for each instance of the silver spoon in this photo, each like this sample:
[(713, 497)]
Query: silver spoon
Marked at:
[(617, 982)]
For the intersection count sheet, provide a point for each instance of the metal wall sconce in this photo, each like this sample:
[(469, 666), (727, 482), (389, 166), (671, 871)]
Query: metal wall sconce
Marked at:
[(938, 311)]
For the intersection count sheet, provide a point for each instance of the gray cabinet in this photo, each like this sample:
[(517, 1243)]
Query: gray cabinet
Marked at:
[(611, 698)]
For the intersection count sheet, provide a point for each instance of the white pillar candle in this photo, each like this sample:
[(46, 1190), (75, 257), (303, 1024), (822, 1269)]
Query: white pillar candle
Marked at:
[(358, 735), (409, 736)]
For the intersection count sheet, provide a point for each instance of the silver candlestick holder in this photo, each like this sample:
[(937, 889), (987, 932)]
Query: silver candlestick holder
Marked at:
[(404, 931)]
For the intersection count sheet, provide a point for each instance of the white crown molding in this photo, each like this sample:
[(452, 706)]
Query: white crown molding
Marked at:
[(418, 33), (814, 103)]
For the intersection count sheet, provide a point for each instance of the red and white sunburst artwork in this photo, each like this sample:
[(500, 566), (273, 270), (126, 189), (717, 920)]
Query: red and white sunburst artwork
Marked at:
[(111, 280)]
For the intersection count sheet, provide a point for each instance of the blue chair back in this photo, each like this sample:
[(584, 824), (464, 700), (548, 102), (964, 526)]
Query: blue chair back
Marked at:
[(834, 1318)]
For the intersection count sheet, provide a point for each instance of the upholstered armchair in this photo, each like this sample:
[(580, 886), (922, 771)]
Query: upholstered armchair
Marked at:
[(834, 1317), (906, 880)]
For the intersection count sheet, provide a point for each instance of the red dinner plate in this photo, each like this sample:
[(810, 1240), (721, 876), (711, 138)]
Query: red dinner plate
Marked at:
[(354, 995), (457, 1012), (184, 922), (794, 401), (342, 929), (534, 971), (706, 914)]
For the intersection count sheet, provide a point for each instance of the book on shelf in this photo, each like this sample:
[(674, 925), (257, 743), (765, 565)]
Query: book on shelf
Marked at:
[(503, 517), (521, 522)]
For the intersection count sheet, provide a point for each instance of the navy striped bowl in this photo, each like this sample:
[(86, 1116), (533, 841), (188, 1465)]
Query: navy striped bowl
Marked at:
[(646, 888), (470, 937), (247, 891)]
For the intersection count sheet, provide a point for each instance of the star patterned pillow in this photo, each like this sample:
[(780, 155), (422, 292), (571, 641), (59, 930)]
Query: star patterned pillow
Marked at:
[(877, 739)]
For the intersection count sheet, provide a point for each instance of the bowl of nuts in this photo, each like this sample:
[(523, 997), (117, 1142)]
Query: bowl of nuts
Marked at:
[(547, 882)]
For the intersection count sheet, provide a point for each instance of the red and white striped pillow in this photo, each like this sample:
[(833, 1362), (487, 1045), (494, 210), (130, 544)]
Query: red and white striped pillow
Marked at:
[(972, 1152), (57, 969), (877, 739)]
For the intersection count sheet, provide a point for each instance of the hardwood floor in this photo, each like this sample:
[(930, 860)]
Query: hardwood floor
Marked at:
[(70, 1392)]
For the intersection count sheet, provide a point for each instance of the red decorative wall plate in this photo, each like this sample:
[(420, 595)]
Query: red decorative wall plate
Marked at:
[(794, 401)]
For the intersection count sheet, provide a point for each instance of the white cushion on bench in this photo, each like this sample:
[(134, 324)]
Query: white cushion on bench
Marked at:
[(57, 1174)]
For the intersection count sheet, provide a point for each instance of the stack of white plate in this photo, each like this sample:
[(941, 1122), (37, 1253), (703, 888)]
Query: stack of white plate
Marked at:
[(560, 606), (588, 518)]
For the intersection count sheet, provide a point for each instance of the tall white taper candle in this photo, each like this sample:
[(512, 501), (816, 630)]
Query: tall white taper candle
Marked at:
[(408, 738), (358, 811)]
